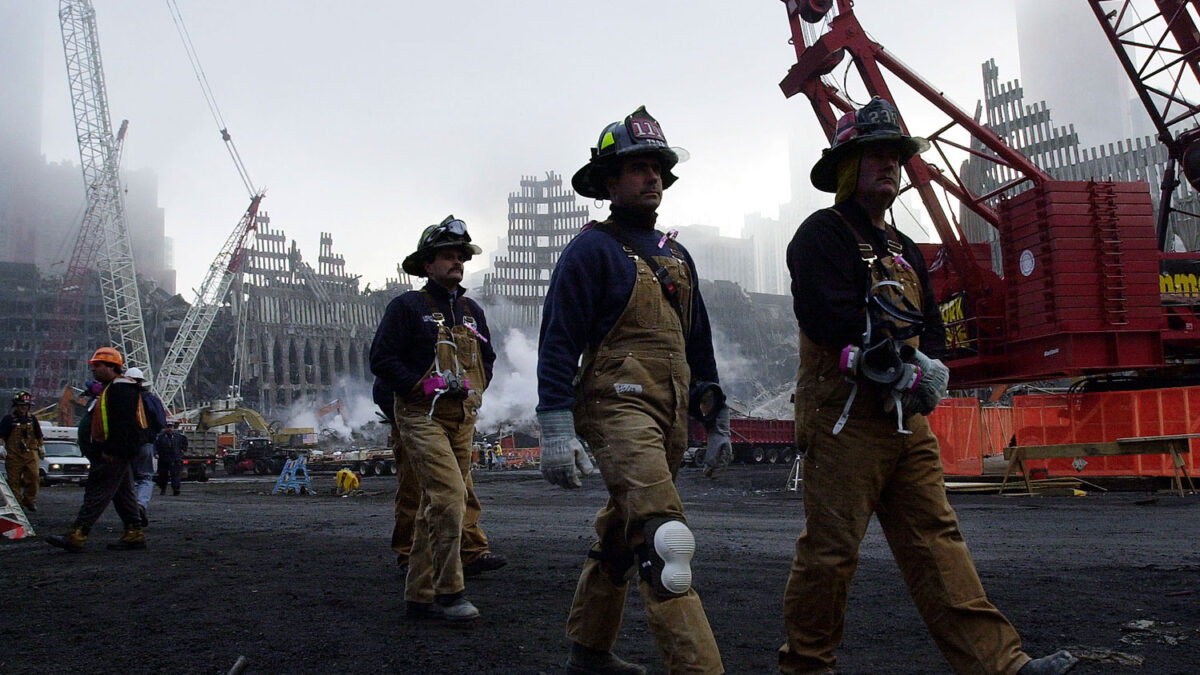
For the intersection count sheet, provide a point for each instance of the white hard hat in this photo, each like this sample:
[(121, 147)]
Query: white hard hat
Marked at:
[(135, 373)]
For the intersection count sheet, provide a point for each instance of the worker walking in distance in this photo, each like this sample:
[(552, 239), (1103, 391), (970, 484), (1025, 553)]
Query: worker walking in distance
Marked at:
[(474, 551), (23, 446), (870, 333), (143, 464), (117, 426), (433, 349), (169, 447), (626, 298)]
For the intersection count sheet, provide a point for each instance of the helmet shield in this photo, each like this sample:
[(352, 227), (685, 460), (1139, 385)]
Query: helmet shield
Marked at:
[(876, 123), (450, 233), (639, 133)]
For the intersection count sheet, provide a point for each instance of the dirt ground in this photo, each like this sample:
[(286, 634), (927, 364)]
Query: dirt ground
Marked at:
[(307, 584)]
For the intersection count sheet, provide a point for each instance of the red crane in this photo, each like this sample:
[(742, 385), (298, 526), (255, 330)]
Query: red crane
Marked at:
[(1079, 291)]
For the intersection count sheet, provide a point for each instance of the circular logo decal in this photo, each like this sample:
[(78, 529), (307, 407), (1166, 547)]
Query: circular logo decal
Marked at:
[(1026, 263)]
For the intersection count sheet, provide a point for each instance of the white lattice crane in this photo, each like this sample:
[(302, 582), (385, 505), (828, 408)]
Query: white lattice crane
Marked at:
[(99, 156), (209, 299)]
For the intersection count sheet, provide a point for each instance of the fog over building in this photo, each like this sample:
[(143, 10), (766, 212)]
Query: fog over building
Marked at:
[(41, 203), (1067, 61)]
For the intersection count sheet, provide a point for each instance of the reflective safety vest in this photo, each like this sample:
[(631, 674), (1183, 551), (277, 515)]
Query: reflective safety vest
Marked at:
[(100, 413)]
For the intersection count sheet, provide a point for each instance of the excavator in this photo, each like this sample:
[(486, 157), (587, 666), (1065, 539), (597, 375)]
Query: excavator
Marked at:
[(267, 449)]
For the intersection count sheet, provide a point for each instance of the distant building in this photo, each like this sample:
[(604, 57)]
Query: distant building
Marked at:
[(720, 258), (542, 218), (769, 238)]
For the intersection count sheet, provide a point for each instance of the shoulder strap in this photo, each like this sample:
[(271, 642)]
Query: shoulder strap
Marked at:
[(669, 289)]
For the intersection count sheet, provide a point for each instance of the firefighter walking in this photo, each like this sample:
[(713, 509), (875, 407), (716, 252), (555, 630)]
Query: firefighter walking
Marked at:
[(23, 445), (433, 349), (624, 297), (870, 333)]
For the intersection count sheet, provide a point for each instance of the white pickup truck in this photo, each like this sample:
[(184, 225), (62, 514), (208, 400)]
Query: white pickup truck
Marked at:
[(64, 462)]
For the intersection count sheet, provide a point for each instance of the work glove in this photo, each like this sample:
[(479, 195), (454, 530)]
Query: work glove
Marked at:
[(3, 452), (935, 377), (41, 452), (564, 460), (719, 444)]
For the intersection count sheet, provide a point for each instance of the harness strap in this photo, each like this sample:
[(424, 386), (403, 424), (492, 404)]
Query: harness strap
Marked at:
[(669, 288)]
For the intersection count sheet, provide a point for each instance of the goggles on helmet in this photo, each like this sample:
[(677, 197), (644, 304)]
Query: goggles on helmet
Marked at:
[(447, 230)]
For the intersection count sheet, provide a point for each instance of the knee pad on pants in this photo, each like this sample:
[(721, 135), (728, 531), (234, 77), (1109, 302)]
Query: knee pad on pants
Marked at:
[(666, 557)]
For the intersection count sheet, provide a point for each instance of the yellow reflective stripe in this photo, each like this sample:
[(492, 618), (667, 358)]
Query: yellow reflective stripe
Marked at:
[(104, 414), (607, 140)]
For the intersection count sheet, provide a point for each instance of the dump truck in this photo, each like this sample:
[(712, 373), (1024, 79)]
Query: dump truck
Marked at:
[(754, 440)]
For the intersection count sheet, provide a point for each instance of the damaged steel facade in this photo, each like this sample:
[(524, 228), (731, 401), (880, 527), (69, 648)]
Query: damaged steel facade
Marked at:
[(542, 219), (306, 332)]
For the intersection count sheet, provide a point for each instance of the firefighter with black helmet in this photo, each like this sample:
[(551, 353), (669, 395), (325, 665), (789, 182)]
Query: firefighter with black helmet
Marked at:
[(870, 334), (22, 437), (433, 350), (624, 296)]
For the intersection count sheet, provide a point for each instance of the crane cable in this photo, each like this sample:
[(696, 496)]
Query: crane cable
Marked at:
[(209, 99)]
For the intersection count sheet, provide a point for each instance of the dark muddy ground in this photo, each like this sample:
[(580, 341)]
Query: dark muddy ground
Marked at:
[(307, 584)]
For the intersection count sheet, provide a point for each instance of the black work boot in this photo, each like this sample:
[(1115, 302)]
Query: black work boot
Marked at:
[(1057, 663), (588, 661), (486, 562), (71, 541)]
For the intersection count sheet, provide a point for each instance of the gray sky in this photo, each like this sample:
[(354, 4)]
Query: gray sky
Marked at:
[(372, 119)]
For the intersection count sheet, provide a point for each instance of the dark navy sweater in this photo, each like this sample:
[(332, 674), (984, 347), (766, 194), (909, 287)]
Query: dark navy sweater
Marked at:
[(404, 343), (589, 290)]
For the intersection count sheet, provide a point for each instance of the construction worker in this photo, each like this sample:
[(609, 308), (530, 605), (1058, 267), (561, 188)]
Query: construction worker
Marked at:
[(118, 425), (22, 437), (870, 332), (433, 350), (626, 298), (169, 447), (143, 465), (474, 551)]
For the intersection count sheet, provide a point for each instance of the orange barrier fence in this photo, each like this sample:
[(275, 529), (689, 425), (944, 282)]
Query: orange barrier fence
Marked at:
[(968, 432), (1053, 419)]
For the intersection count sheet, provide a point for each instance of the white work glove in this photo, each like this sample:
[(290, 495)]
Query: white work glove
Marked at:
[(563, 458), (719, 444), (935, 377), (41, 452)]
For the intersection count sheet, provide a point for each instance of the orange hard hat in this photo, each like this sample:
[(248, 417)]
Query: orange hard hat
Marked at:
[(107, 355)]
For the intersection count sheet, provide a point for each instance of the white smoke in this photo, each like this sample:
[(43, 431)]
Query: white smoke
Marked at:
[(511, 397), (357, 405)]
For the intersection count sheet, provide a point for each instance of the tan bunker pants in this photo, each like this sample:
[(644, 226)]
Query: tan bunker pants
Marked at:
[(869, 468)]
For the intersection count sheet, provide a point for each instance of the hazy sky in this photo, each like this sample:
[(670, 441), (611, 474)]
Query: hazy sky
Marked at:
[(372, 119)]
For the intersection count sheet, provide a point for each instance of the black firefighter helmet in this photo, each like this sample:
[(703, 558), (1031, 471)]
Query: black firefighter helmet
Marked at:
[(876, 123), (639, 133), (450, 233)]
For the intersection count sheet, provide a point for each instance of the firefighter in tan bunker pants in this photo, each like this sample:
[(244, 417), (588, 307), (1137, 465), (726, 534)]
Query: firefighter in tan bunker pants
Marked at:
[(624, 296), (867, 319), (433, 349), (23, 446)]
